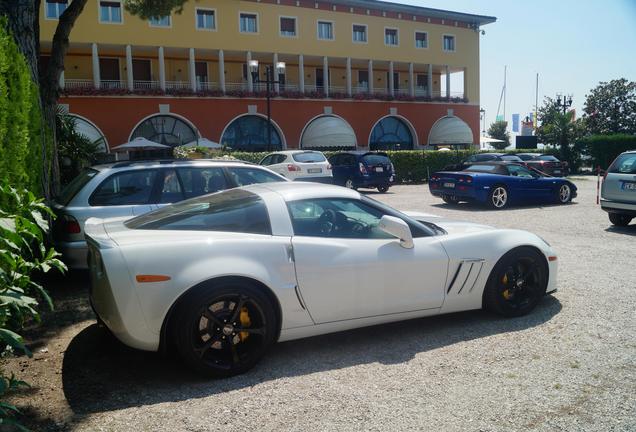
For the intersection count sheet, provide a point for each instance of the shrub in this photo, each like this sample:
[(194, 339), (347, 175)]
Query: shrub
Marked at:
[(603, 149)]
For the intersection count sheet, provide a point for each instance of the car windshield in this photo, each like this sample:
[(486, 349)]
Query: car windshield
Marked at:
[(526, 157), (624, 164), (548, 158), (75, 186), (309, 157), (233, 210), (512, 158), (375, 159)]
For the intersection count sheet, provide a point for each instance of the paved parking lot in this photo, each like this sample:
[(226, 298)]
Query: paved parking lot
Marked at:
[(570, 365)]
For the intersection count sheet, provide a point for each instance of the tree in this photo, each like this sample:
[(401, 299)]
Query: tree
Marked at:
[(499, 130), (559, 129), (610, 108), (24, 23)]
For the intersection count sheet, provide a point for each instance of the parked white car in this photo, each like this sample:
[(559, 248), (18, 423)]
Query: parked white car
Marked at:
[(618, 193), (132, 188), (305, 165), (221, 277)]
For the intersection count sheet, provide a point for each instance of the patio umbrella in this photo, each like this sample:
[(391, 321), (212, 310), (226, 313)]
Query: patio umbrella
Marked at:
[(140, 143), (487, 140), (204, 142)]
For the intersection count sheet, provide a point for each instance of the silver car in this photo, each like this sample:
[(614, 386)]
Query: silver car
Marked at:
[(618, 193), (131, 188)]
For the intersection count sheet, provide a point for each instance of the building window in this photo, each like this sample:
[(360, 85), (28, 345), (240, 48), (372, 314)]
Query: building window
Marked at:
[(325, 30), (206, 19), (391, 133), (249, 133), (421, 39), (249, 23), (421, 82), (449, 43), (287, 26), (166, 130), (110, 12), (163, 21), (55, 8), (363, 80), (359, 33), (391, 36)]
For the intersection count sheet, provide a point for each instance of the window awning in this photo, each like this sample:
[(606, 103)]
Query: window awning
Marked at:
[(450, 130), (328, 132)]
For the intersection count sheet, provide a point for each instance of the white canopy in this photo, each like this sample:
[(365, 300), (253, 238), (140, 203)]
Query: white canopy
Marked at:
[(204, 142), (140, 143), (450, 130), (328, 131), (488, 140)]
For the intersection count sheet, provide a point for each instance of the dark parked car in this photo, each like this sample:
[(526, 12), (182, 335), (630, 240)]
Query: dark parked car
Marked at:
[(546, 163), (499, 184), (360, 169), (483, 157)]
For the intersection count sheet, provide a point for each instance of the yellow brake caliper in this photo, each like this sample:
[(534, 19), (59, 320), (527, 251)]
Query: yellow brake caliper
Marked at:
[(506, 294), (244, 316)]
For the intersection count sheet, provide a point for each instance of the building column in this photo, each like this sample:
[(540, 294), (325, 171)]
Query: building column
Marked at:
[(447, 82), (391, 83), (129, 68), (411, 80), (370, 76), (96, 76), (192, 71), (465, 82), (61, 82), (162, 69), (325, 76), (301, 73), (275, 73), (222, 71), (429, 78), (250, 83), (348, 76)]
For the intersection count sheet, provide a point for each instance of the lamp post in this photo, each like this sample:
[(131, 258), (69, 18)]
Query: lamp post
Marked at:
[(482, 117), (565, 103), (269, 80)]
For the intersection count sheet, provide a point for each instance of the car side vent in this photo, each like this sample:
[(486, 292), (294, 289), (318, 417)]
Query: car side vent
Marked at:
[(466, 276)]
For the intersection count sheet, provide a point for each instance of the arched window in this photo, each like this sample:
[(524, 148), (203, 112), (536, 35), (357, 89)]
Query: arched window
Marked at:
[(391, 133), (249, 133), (166, 130), (90, 131)]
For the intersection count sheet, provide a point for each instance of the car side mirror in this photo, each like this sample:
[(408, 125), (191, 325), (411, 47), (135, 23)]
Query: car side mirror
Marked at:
[(397, 228)]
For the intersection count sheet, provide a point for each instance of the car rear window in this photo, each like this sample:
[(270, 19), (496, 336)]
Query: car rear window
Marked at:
[(76, 185), (526, 157), (233, 210), (309, 157), (624, 164), (512, 158), (548, 158), (482, 168), (376, 159)]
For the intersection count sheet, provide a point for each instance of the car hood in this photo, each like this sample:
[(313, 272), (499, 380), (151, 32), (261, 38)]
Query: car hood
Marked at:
[(451, 226)]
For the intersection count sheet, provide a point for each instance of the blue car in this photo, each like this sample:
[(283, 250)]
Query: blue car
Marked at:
[(360, 169), (500, 184)]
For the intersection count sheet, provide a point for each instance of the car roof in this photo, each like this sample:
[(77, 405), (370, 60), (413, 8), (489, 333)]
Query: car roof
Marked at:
[(168, 162), (361, 152), (292, 191), (287, 152)]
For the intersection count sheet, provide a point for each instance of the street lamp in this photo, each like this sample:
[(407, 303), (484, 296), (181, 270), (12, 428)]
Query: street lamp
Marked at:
[(269, 80), (482, 117), (566, 103)]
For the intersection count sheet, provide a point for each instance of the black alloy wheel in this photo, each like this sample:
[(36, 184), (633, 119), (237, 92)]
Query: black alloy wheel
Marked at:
[(517, 283), (224, 331), (383, 188)]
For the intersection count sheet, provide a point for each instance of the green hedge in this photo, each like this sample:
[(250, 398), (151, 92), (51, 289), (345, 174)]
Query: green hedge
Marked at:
[(603, 149), (411, 166), (20, 119)]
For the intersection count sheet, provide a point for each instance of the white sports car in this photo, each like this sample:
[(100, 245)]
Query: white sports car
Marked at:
[(222, 277)]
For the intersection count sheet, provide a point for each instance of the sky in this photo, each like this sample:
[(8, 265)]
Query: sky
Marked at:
[(572, 45)]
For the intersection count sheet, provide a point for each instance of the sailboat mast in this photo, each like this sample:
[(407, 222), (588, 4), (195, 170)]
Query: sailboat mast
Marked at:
[(536, 105)]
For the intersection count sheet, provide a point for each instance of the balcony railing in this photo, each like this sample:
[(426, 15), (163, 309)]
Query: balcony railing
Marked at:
[(241, 89)]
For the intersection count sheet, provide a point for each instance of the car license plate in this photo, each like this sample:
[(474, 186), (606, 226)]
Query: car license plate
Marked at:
[(379, 169), (449, 185), (557, 171), (629, 186), (314, 170)]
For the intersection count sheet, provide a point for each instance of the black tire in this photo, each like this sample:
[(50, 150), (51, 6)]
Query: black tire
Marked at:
[(450, 199), (564, 194), (214, 337), (349, 184), (517, 283), (498, 198), (620, 220), (383, 188)]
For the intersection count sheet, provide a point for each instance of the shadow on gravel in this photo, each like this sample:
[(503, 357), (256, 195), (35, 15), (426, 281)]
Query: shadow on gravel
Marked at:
[(465, 206), (628, 230), (100, 374)]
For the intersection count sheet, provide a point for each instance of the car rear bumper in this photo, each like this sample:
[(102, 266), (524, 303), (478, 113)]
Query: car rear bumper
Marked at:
[(74, 254), (316, 179), (470, 193), (618, 207), (372, 182)]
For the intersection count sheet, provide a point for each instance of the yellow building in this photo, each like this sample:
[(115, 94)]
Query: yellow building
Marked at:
[(388, 75)]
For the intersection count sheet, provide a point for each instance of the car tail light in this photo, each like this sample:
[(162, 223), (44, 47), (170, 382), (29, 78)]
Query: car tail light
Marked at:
[(328, 166), (392, 168), (469, 179), (70, 225), (292, 167), (363, 169), (434, 177)]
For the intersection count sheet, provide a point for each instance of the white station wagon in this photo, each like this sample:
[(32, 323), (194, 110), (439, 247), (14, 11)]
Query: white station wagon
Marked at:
[(220, 278)]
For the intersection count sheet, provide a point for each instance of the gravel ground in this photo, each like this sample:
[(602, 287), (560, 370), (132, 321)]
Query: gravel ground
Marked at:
[(568, 366)]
